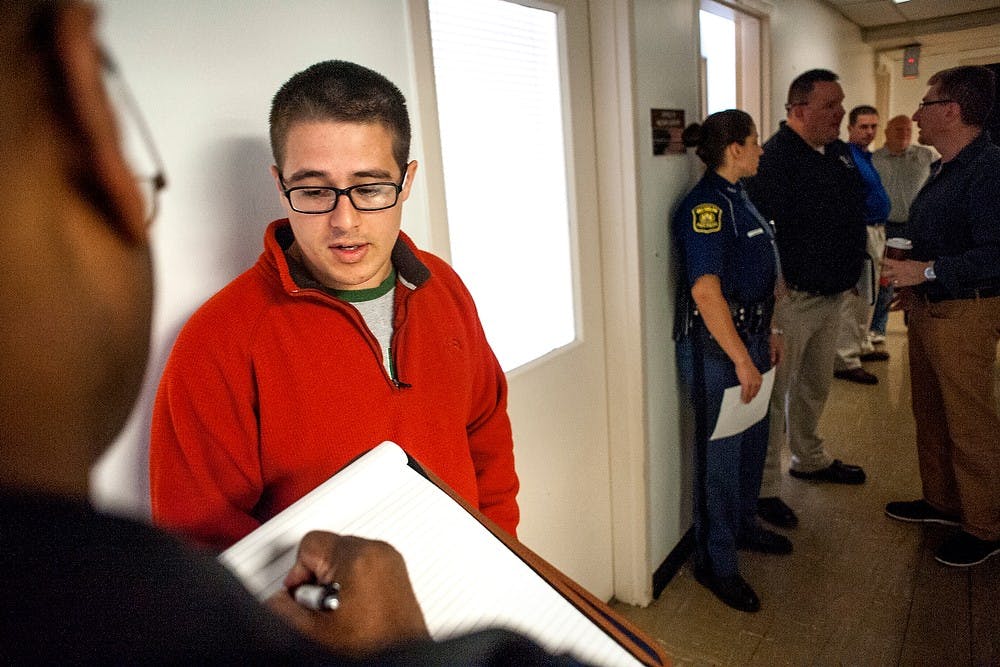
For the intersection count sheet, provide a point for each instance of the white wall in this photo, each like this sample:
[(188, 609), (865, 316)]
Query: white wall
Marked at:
[(905, 94), (204, 74), (806, 34)]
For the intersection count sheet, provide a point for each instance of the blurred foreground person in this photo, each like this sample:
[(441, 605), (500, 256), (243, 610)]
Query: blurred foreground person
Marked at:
[(81, 587)]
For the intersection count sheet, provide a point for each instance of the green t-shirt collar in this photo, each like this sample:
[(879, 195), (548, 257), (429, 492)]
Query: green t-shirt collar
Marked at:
[(370, 294)]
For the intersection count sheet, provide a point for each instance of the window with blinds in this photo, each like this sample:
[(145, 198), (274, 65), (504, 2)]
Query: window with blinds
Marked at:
[(500, 110)]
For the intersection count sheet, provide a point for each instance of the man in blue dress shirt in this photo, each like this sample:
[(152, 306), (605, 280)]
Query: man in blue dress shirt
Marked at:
[(853, 345), (953, 301)]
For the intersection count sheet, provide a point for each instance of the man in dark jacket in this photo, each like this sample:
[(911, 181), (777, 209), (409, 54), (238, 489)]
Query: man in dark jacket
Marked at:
[(809, 186)]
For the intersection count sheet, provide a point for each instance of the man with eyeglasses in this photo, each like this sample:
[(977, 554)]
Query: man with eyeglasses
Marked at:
[(952, 294), (808, 185), (79, 586), (342, 335)]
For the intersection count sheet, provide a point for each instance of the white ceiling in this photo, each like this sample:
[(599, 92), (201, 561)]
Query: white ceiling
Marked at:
[(941, 24)]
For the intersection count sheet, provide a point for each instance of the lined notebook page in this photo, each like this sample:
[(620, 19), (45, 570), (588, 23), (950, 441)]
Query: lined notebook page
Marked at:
[(464, 578)]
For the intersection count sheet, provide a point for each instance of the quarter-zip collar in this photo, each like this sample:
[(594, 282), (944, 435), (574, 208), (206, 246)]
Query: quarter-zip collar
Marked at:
[(294, 277)]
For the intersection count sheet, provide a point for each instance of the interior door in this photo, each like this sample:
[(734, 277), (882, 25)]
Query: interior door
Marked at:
[(558, 397)]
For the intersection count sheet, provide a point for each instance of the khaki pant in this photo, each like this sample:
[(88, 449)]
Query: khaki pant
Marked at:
[(802, 383), (856, 310), (952, 352)]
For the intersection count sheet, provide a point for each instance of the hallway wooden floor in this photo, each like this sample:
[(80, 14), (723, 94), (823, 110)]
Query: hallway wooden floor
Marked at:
[(860, 588)]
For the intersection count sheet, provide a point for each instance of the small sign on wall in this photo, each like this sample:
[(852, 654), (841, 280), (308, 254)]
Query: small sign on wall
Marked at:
[(911, 61), (667, 124)]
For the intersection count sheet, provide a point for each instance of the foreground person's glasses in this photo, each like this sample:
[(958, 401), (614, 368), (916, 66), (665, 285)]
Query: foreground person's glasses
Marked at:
[(137, 141)]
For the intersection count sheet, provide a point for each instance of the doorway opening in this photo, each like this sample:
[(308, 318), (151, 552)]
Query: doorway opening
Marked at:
[(731, 61)]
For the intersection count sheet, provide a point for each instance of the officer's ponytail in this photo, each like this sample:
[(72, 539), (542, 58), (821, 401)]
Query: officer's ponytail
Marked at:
[(720, 129)]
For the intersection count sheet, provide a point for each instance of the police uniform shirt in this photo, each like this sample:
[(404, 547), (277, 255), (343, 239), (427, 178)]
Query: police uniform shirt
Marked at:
[(721, 233)]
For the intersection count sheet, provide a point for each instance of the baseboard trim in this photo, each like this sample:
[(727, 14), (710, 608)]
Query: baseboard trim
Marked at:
[(673, 562)]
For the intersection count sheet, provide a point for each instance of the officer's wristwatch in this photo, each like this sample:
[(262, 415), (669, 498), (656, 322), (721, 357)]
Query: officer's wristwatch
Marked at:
[(929, 273)]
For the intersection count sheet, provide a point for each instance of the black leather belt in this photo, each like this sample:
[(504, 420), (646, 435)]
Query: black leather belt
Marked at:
[(979, 293), (810, 292)]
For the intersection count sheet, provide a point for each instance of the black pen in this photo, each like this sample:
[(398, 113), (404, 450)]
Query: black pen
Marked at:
[(318, 597)]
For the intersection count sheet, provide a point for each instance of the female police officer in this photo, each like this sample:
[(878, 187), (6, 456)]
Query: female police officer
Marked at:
[(725, 301)]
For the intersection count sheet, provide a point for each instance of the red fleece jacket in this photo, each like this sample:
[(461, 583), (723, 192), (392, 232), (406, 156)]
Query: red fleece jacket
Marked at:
[(273, 386)]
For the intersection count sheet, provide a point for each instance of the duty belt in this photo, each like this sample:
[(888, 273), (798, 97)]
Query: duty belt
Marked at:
[(751, 318)]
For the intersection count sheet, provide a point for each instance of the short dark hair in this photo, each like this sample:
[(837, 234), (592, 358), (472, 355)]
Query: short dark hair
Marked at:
[(803, 84), (720, 129), (972, 87), (337, 90), (861, 110)]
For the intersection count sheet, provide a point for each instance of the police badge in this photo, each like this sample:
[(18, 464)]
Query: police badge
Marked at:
[(706, 218)]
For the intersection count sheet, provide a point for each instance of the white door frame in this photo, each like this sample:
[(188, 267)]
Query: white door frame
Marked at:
[(611, 69)]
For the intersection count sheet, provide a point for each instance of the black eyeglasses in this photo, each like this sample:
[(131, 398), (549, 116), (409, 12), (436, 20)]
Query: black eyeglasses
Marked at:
[(137, 140), (928, 103), (367, 197)]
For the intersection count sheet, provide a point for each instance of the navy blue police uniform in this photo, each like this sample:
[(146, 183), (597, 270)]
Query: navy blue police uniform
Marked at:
[(719, 232)]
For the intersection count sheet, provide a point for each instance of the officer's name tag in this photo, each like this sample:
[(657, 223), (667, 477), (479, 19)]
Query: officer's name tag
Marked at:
[(754, 232)]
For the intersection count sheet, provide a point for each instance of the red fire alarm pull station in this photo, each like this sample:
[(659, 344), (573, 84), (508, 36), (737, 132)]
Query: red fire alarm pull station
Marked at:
[(911, 61)]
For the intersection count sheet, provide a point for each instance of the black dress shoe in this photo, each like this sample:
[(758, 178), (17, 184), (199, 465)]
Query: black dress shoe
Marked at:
[(859, 375), (875, 355), (732, 590), (837, 472), (920, 511), (765, 541), (965, 550), (774, 510)]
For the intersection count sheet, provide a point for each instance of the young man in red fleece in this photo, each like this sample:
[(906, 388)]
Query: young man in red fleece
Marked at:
[(342, 335)]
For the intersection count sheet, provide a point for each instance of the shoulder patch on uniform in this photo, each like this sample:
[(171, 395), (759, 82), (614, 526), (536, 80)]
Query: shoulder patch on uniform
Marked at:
[(706, 218)]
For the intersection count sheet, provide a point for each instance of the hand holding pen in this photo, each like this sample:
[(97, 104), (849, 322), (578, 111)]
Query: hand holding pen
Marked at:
[(356, 595), (318, 597)]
